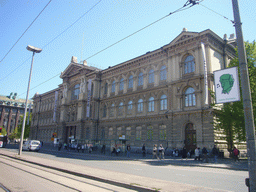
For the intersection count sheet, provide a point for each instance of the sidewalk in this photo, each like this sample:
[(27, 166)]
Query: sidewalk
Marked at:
[(221, 163), (137, 183)]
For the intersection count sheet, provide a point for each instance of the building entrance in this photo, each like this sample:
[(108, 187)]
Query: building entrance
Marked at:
[(190, 137)]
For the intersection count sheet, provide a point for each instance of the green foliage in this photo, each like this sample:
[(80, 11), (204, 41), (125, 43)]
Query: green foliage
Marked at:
[(4, 132), (230, 118), (14, 134), (27, 127)]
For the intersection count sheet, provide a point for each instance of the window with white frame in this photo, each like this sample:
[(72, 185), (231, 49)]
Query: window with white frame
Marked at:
[(163, 73), (163, 102), (120, 109), (121, 86), (140, 106), (140, 79), (162, 132), (113, 87), (151, 76), (129, 107), (138, 133), (190, 97), (189, 64), (130, 82), (151, 104)]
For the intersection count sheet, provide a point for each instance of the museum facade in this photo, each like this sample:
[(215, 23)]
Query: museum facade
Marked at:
[(161, 97)]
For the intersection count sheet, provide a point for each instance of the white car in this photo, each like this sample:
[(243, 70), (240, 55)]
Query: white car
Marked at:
[(32, 145)]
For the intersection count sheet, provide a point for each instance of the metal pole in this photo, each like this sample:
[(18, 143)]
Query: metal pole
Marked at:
[(26, 106), (247, 101)]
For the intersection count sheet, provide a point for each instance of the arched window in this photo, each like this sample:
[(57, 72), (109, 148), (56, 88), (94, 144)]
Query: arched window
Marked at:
[(75, 92), (104, 111), (140, 79), (130, 83), (151, 77), (121, 86), (190, 97), (189, 64), (106, 89), (163, 102), (151, 104), (129, 107), (140, 106), (163, 73), (113, 87), (120, 109)]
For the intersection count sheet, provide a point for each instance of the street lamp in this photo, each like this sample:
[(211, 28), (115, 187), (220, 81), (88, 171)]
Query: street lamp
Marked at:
[(34, 50)]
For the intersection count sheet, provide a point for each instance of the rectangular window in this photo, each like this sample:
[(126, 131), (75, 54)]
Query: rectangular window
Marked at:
[(150, 133), (162, 132), (138, 133)]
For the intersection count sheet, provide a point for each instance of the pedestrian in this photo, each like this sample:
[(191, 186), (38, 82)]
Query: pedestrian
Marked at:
[(215, 153), (197, 154), (184, 152), (118, 151), (113, 150), (59, 146), (161, 151), (236, 153), (144, 150), (155, 151), (128, 149), (83, 148), (205, 155), (103, 149)]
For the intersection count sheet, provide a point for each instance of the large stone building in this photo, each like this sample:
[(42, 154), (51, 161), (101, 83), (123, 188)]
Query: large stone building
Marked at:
[(158, 97), (11, 109)]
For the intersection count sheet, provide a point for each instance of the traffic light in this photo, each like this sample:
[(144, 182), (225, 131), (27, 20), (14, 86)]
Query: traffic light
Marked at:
[(0, 129)]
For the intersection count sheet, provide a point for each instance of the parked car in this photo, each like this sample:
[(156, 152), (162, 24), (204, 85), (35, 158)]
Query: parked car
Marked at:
[(32, 145)]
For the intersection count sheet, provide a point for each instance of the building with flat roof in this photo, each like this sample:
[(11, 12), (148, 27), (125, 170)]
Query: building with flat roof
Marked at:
[(157, 98)]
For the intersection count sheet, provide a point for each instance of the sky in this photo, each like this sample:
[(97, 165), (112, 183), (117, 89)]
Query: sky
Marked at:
[(84, 28)]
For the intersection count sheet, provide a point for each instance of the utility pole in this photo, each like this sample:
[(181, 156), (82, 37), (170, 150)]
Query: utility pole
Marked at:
[(247, 101)]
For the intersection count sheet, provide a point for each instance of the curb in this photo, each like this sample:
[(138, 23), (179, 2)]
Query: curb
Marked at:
[(124, 185)]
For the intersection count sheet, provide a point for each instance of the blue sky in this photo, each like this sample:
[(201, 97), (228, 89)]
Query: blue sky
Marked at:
[(106, 23)]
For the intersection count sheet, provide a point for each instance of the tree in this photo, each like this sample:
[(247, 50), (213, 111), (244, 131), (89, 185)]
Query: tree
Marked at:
[(27, 127), (3, 131), (230, 117), (14, 134)]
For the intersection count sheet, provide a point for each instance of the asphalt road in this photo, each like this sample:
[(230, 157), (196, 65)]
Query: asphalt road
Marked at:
[(214, 178)]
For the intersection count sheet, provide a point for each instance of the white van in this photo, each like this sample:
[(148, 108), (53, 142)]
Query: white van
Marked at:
[(32, 145)]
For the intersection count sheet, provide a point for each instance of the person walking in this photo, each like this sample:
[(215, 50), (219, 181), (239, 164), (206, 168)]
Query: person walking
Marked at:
[(161, 152), (197, 154), (103, 149), (215, 153), (155, 151), (184, 152), (236, 153), (128, 149), (205, 155), (144, 150)]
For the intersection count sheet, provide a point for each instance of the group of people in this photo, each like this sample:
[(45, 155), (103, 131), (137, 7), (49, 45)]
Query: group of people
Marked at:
[(158, 152)]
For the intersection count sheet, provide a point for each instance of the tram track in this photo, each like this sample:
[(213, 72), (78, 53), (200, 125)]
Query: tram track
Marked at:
[(65, 180)]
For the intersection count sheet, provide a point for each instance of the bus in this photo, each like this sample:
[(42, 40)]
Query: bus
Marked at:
[(3, 141)]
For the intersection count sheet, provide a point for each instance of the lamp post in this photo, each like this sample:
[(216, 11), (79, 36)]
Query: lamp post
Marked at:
[(34, 50)]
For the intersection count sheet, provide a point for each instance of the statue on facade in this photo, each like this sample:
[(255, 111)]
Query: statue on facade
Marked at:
[(65, 91), (82, 85)]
